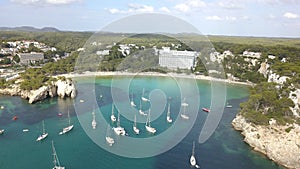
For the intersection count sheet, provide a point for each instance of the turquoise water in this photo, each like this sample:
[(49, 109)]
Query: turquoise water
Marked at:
[(76, 150)]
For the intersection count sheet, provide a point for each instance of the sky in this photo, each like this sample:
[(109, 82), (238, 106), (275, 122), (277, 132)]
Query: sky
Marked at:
[(263, 18)]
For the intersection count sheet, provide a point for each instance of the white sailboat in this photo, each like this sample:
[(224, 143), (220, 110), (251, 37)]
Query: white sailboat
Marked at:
[(183, 115), (141, 111), (143, 97), (55, 159), (43, 135), (112, 116), (193, 159), (119, 130), (2, 131), (68, 128), (148, 125), (169, 119), (132, 102), (110, 141), (94, 122), (135, 129)]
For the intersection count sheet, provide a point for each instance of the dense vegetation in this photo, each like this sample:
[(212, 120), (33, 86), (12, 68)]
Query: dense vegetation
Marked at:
[(266, 100)]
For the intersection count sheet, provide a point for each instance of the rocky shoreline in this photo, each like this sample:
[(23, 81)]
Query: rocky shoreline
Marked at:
[(279, 143), (61, 88)]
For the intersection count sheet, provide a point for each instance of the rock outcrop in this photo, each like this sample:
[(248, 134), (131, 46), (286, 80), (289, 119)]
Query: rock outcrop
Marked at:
[(62, 88), (279, 143)]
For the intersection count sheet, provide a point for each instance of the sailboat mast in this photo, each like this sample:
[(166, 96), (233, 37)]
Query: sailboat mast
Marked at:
[(43, 127), (134, 120), (149, 118), (118, 119), (141, 105), (69, 117), (55, 158), (193, 151), (169, 108)]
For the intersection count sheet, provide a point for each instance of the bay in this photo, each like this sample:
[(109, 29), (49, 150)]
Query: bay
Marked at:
[(19, 150)]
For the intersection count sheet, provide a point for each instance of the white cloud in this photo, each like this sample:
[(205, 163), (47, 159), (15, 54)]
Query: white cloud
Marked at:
[(230, 5), (132, 8), (164, 9), (290, 15), (114, 10), (182, 7), (197, 3), (225, 18), (230, 18), (189, 5), (213, 18), (45, 2)]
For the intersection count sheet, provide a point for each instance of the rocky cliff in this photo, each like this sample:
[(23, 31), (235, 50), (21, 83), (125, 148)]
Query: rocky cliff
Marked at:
[(61, 88), (279, 143)]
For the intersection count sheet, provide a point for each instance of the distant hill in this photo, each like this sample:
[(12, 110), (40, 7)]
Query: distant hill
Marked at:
[(29, 29)]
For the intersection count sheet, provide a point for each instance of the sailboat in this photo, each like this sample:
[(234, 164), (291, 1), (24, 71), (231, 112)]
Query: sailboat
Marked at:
[(119, 130), (135, 129), (132, 102), (193, 159), (141, 111), (2, 131), (112, 117), (94, 123), (143, 97), (228, 105), (110, 141), (148, 125), (169, 119), (183, 115), (68, 128), (43, 135), (55, 159)]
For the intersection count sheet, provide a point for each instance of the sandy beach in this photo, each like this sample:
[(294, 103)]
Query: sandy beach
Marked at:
[(175, 75)]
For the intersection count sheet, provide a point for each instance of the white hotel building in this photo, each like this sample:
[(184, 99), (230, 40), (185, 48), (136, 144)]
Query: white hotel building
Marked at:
[(174, 59)]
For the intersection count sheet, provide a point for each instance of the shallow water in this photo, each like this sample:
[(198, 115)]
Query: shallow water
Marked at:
[(19, 150)]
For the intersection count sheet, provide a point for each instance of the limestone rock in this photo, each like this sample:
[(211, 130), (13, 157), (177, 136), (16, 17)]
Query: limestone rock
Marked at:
[(66, 88), (280, 143), (13, 90)]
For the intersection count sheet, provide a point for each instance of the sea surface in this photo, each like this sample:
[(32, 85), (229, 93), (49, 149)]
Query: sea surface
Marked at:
[(85, 148)]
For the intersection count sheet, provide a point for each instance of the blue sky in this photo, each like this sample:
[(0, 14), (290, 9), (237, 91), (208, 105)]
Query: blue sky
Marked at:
[(271, 18)]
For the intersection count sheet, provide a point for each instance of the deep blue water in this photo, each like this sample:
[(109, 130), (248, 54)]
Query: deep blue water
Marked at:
[(76, 150)]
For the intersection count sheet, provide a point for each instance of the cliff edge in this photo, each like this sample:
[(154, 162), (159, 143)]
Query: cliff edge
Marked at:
[(61, 88), (279, 143)]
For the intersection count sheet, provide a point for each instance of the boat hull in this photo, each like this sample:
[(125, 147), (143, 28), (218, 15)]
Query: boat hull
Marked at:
[(119, 131), (66, 130), (42, 137), (150, 129), (193, 160)]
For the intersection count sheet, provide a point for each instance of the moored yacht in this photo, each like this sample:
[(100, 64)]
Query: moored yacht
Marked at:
[(43, 135), (112, 116), (184, 115), (192, 158), (141, 111), (119, 130), (169, 119), (55, 159), (68, 128), (94, 122), (148, 125), (135, 129)]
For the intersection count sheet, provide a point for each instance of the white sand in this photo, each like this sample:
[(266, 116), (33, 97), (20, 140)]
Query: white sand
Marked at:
[(191, 76)]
